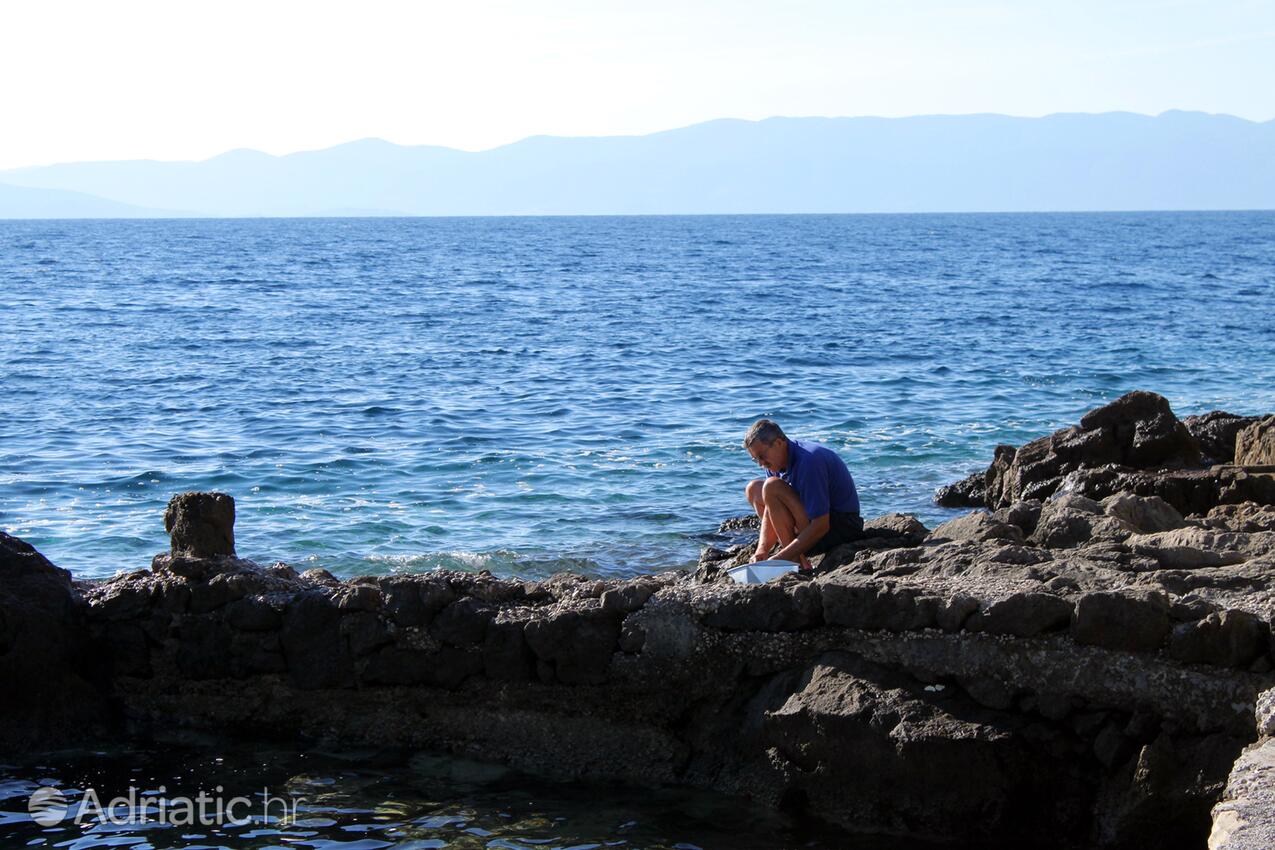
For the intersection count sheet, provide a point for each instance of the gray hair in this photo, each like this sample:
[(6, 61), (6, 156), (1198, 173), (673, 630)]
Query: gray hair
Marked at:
[(765, 431)]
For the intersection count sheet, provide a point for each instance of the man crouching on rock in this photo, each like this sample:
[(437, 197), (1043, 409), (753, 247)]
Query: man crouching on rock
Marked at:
[(807, 501)]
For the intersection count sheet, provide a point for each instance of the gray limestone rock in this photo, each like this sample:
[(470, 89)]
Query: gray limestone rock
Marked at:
[(1223, 639), (1144, 514), (1132, 622), (1027, 614), (976, 526), (1192, 548), (1244, 819), (1255, 444)]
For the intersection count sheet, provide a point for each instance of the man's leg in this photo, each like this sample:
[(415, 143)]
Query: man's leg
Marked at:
[(766, 537), (784, 511)]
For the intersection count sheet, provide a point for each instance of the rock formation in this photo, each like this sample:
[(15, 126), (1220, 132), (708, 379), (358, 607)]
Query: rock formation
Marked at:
[(1243, 819), (1073, 669), (48, 691), (1255, 444), (1135, 445)]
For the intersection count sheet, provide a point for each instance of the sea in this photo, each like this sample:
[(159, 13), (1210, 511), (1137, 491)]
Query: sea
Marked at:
[(531, 395)]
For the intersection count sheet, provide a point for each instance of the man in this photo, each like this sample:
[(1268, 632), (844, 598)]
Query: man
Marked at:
[(807, 501)]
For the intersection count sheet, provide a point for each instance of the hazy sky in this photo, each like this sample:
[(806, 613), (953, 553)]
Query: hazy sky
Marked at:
[(187, 80)]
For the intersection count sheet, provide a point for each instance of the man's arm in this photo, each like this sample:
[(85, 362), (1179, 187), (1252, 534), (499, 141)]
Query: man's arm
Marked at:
[(809, 536), (766, 540)]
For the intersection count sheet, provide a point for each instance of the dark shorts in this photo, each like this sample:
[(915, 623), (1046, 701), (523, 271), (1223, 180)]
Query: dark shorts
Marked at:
[(842, 528)]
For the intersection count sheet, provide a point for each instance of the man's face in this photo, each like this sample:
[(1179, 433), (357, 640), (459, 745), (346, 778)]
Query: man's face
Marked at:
[(767, 455)]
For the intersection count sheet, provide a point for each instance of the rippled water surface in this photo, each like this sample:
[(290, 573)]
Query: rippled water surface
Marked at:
[(368, 800), (530, 395)]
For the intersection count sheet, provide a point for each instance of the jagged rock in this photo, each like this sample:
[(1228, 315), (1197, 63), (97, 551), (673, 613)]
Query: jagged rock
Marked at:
[(1025, 515), (576, 645), (904, 527), (365, 632), (969, 492), (740, 523), (976, 526), (1027, 614), (252, 614), (505, 653), (47, 695), (1225, 639), (202, 525), (954, 611), (1255, 444), (1265, 713), (446, 668), (1132, 622), (1145, 514), (1061, 528), (1072, 520), (123, 598), (1246, 517), (628, 597), (1163, 792), (396, 666), (256, 654), (201, 648), (1034, 473), (1145, 431), (1074, 502), (312, 646), (463, 623), (1189, 491), (714, 563), (851, 601), (1242, 819), (879, 732), (1215, 432), (1192, 548), (320, 576), (1136, 431), (358, 597), (218, 591), (766, 608), (564, 586), (415, 600)]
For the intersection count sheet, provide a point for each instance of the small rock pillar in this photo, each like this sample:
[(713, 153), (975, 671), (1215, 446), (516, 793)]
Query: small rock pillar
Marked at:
[(201, 525)]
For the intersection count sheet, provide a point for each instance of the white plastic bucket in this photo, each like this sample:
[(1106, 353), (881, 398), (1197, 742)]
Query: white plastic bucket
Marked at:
[(761, 572)]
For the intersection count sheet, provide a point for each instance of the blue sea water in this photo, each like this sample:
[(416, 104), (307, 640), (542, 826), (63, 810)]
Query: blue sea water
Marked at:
[(535, 394)]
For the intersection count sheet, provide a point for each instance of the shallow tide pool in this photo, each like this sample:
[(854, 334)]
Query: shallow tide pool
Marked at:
[(367, 800)]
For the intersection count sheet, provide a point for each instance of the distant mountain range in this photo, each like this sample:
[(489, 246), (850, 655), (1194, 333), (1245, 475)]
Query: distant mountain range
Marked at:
[(1109, 161)]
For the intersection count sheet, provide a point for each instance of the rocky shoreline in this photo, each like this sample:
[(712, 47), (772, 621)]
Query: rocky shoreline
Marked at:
[(1083, 660)]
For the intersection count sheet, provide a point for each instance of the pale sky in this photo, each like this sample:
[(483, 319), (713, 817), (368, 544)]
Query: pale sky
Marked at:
[(189, 80)]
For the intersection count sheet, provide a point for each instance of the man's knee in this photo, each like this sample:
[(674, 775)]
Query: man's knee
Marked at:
[(772, 488), (752, 491), (778, 494)]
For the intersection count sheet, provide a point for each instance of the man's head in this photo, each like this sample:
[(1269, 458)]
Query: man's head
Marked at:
[(767, 444)]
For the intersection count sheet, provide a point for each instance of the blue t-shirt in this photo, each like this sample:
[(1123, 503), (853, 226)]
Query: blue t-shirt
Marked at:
[(821, 479)]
